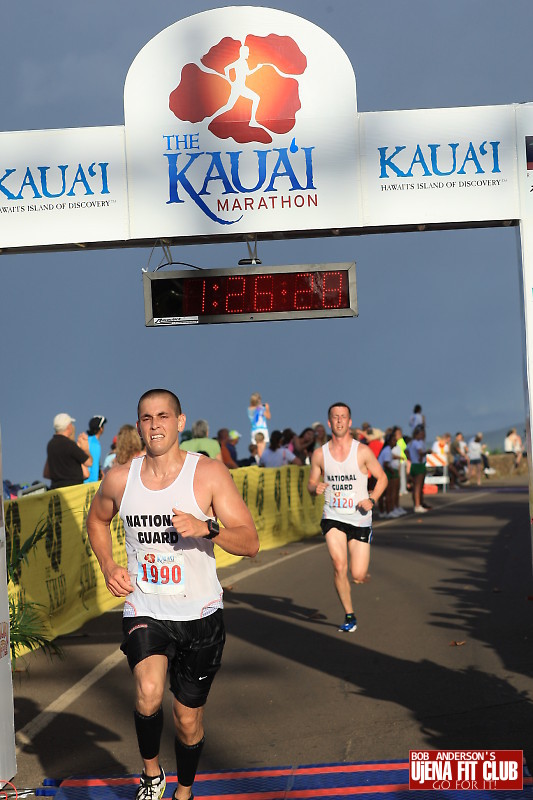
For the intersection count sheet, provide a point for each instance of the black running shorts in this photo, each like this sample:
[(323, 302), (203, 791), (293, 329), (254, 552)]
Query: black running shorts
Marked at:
[(352, 531), (193, 648)]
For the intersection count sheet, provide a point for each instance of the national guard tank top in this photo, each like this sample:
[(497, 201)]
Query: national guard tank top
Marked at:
[(347, 486), (174, 578)]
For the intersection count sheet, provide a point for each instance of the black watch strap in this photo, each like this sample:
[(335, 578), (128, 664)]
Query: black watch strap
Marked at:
[(214, 529)]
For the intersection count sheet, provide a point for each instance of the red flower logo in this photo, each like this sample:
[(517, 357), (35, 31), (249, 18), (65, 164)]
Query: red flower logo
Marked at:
[(245, 90), (150, 558)]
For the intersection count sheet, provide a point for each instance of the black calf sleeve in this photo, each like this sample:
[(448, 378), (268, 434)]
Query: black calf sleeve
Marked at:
[(187, 758), (149, 731)]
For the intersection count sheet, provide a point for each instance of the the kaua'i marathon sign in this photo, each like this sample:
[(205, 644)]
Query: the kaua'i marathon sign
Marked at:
[(233, 122)]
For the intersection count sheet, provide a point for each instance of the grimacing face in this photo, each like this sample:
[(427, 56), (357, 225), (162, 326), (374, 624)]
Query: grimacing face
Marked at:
[(339, 420), (159, 426)]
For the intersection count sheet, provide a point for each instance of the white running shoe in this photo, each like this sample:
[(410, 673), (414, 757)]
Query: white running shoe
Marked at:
[(399, 511), (420, 510), (151, 788)]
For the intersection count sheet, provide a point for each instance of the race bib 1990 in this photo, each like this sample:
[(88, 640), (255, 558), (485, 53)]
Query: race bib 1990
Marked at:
[(160, 573)]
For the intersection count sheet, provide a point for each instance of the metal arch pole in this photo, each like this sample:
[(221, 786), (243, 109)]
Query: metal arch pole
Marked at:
[(525, 245)]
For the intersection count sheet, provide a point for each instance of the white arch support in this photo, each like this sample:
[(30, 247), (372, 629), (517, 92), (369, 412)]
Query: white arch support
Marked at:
[(8, 762)]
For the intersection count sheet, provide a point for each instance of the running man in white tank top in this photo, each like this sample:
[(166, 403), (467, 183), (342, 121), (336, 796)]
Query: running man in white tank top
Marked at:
[(339, 471), (169, 501)]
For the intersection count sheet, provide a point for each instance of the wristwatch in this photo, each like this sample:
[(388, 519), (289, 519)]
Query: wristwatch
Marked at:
[(214, 529), (372, 501)]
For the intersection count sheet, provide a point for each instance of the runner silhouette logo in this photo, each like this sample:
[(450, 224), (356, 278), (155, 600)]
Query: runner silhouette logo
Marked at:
[(244, 91)]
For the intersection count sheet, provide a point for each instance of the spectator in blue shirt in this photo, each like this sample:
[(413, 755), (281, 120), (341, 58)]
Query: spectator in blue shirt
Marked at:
[(94, 432)]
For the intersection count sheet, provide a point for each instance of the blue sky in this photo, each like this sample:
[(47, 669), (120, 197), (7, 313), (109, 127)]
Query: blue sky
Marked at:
[(439, 312)]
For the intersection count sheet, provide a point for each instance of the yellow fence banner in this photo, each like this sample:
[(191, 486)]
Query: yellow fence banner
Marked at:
[(281, 507), (62, 575)]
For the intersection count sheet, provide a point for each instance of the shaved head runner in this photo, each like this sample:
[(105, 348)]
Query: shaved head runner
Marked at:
[(339, 471), (169, 501)]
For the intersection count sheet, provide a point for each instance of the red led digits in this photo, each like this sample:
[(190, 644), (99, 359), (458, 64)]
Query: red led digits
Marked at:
[(235, 295), (332, 290), (263, 293), (304, 291)]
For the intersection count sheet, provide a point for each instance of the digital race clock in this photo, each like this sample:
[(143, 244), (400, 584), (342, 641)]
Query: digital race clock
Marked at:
[(251, 294)]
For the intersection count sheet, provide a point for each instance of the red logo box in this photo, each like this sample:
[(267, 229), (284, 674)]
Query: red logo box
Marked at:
[(462, 770)]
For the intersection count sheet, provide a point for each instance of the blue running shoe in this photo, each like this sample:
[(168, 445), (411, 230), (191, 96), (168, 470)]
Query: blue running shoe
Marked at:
[(349, 625)]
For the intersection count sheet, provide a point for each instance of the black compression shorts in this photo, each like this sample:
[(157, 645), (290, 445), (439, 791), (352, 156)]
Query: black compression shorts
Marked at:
[(193, 648), (352, 531)]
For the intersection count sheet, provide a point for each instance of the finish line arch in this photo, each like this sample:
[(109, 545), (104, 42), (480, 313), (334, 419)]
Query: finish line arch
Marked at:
[(184, 174)]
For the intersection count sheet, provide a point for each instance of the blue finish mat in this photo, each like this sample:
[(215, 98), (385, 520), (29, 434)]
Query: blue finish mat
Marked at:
[(387, 780)]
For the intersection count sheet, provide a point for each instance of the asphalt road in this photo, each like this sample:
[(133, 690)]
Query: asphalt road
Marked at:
[(441, 657)]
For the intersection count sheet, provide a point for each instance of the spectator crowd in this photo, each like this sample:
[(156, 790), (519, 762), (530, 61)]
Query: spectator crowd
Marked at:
[(72, 460)]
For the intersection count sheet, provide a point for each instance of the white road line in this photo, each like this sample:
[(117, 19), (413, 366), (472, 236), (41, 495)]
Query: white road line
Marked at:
[(25, 735), (464, 498), (253, 570), (29, 731)]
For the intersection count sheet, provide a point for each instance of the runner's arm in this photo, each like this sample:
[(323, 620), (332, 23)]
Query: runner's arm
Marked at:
[(238, 536), (103, 509), (315, 485)]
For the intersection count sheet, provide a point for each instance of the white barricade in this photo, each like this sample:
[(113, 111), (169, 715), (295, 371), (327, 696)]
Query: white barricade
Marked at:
[(435, 462)]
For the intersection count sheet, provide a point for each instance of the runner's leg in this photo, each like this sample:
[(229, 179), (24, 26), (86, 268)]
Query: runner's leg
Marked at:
[(188, 723), (359, 559), (338, 551), (149, 676)]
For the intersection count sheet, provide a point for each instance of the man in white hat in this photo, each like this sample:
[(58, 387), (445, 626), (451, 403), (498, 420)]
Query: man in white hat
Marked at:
[(67, 462)]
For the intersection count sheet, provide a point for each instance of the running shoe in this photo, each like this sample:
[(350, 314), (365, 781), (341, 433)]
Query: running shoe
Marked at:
[(151, 788), (420, 510), (349, 625), (399, 511)]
